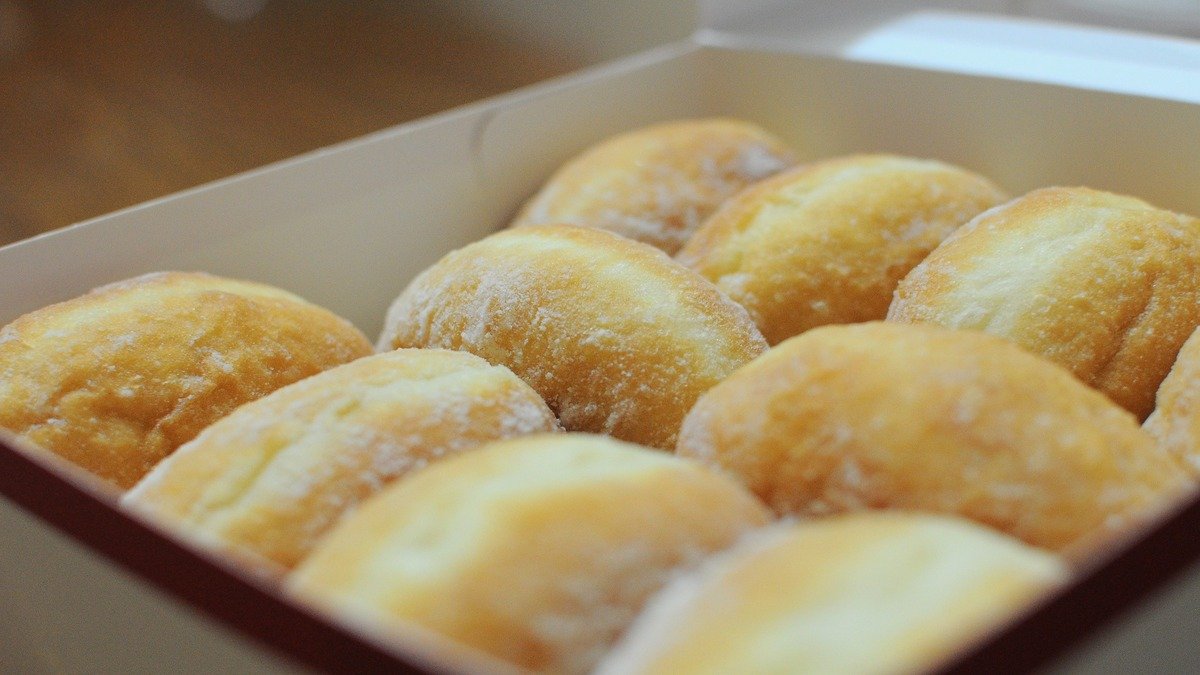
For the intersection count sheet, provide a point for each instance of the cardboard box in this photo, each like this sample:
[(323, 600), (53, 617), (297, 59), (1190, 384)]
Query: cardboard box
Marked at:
[(348, 226)]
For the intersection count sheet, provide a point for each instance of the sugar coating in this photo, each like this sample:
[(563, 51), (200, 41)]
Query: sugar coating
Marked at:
[(828, 242), (1102, 284), (538, 550), (863, 593), (894, 416), (658, 184), (1175, 422), (274, 476), (614, 335), (116, 379)]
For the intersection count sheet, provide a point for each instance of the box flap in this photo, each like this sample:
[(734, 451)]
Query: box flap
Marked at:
[(975, 37), (1027, 49), (820, 26)]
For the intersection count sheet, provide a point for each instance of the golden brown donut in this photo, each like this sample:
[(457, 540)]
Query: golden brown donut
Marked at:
[(828, 242), (657, 184), (537, 550), (893, 416), (865, 593), (115, 380), (1105, 285), (1175, 422), (617, 337), (272, 477)]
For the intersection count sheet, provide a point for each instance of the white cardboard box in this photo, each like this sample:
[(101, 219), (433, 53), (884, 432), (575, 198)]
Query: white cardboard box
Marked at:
[(347, 227)]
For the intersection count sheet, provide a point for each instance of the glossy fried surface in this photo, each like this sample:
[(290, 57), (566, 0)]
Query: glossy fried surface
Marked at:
[(537, 550), (892, 416), (618, 338), (116, 379), (828, 242), (274, 476), (657, 184), (1105, 285)]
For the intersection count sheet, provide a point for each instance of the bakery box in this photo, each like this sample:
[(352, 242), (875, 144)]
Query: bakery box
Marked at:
[(1025, 102)]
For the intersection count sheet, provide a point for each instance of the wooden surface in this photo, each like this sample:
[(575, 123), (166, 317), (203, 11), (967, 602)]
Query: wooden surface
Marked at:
[(107, 104)]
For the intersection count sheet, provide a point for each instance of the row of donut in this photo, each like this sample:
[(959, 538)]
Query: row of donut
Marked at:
[(840, 418), (1103, 284), (616, 339), (539, 551)]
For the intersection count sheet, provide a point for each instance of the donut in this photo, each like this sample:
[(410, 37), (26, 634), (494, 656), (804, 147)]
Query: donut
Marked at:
[(115, 380), (880, 415), (828, 242), (538, 550), (657, 184), (273, 477), (860, 593), (1175, 422), (1104, 285), (617, 337)]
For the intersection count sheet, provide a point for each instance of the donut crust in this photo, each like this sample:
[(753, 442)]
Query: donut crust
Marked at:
[(1105, 285), (1175, 422), (115, 380), (618, 338), (828, 242), (657, 184), (270, 479), (892, 416), (538, 550), (863, 593)]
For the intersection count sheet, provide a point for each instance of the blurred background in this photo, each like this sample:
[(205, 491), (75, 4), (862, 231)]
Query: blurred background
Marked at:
[(105, 104)]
